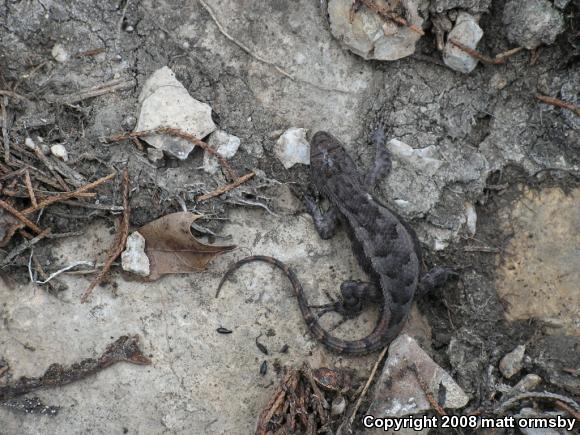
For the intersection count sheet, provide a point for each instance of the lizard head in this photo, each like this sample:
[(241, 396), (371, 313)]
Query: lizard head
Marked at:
[(326, 154)]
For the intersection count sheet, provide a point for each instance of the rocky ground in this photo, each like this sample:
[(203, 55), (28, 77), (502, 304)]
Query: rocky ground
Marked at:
[(486, 173)]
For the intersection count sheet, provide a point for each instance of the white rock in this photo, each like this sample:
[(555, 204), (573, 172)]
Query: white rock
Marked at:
[(369, 35), (133, 258), (423, 159), (511, 364), (399, 393), (59, 151), (470, 218), (226, 146), (467, 32), (166, 103), (29, 143), (59, 53), (292, 147)]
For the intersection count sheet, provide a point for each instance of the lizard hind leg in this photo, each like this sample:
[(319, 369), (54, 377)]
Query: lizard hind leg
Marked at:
[(356, 293)]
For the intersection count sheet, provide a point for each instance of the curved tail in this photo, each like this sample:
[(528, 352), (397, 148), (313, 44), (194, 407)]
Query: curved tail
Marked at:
[(381, 336)]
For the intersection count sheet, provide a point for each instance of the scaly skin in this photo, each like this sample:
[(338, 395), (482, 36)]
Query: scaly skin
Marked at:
[(385, 246)]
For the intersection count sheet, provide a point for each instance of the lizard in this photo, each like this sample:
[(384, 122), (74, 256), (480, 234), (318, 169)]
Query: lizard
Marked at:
[(385, 246)]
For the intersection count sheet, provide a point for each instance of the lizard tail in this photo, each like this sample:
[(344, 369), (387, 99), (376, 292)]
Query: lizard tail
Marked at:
[(381, 336)]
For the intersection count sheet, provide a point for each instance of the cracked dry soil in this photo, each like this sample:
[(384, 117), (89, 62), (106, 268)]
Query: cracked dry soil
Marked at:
[(512, 159)]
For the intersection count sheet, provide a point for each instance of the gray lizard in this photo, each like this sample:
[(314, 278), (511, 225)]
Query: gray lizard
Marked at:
[(385, 246)]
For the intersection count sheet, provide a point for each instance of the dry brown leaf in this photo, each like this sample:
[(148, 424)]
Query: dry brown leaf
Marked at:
[(171, 247)]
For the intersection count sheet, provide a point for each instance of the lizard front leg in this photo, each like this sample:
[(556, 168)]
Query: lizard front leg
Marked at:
[(434, 278), (325, 223)]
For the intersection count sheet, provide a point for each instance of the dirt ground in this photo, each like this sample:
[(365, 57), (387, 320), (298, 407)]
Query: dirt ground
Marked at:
[(506, 157)]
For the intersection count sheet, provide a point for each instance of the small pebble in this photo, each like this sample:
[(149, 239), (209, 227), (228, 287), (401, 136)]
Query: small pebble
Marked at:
[(338, 406), (30, 143), (511, 364), (59, 53), (59, 151), (527, 383), (128, 122), (129, 29)]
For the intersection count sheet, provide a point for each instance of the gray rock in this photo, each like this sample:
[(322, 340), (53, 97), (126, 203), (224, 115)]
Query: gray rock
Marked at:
[(133, 258), (155, 156), (128, 122), (166, 103), (511, 364), (530, 23), (423, 159), (473, 6), (398, 391), (225, 144), (467, 32), (527, 383), (292, 147), (369, 35)]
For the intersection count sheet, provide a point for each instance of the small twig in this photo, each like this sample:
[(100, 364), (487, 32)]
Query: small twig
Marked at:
[(573, 372), (55, 287), (67, 195), (223, 189), (176, 133), (92, 52), (558, 103), (5, 136), (476, 54), (320, 400), (434, 404), (211, 13), (105, 88), (14, 95), (568, 409), (126, 348), (534, 56), (64, 269), (347, 423), (509, 53), (23, 247), (481, 249), (502, 408), (51, 168), (20, 216), (390, 15), (120, 239), (28, 183)]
